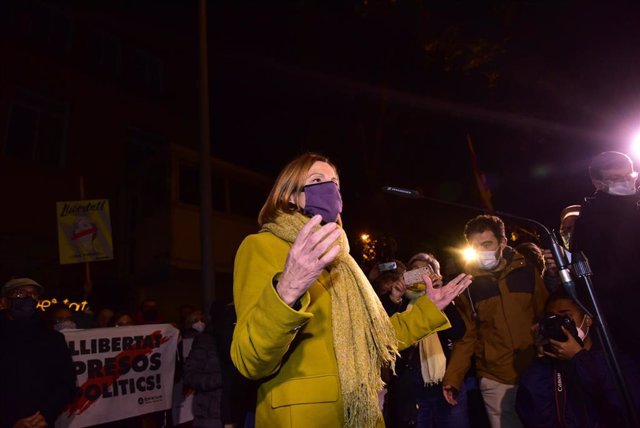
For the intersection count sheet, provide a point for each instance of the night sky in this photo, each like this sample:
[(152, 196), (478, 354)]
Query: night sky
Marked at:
[(390, 90)]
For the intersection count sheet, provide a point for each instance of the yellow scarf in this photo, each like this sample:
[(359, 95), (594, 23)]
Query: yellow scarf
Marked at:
[(363, 337), (433, 363)]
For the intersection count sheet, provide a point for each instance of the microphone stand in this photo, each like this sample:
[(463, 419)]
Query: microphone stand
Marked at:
[(580, 267)]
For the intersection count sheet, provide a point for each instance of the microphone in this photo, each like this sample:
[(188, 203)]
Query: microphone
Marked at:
[(560, 256), (399, 191)]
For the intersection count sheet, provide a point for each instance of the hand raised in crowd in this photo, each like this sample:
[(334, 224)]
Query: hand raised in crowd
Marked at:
[(309, 254), (397, 290), (34, 421), (564, 350), (450, 394), (550, 266), (442, 296)]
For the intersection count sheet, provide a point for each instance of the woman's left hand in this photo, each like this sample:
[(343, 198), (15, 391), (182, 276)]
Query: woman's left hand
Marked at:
[(442, 296)]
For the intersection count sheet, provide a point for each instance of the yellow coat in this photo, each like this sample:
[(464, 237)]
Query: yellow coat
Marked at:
[(292, 351)]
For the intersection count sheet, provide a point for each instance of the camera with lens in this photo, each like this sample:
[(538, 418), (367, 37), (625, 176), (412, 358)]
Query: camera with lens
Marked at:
[(550, 328)]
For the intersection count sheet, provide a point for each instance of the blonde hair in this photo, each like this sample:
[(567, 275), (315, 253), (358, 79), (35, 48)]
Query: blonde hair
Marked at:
[(428, 258), (290, 181)]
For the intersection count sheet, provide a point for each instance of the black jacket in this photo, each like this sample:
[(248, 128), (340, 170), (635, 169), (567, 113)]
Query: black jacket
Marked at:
[(608, 232), (37, 372), (591, 398), (202, 373)]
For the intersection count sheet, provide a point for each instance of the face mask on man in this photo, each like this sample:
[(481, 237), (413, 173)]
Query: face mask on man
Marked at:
[(324, 199), (64, 325), (22, 308), (488, 260), (198, 326), (622, 188)]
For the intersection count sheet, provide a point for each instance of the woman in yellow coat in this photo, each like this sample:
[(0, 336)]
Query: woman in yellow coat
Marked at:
[(310, 326)]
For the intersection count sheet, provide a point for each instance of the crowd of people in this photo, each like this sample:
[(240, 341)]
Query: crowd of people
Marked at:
[(318, 344), (42, 379), (313, 341)]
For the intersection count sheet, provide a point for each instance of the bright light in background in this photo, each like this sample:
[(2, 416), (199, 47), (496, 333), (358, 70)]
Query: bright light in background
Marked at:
[(635, 145), (369, 250), (469, 254)]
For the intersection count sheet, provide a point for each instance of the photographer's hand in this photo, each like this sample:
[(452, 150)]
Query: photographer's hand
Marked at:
[(550, 265), (397, 291), (564, 350)]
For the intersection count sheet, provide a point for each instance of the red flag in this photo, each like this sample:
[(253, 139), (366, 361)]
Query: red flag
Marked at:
[(483, 189)]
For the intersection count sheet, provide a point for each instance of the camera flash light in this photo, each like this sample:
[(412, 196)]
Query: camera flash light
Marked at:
[(469, 254)]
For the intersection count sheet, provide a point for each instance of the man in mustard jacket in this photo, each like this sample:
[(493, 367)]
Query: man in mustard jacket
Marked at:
[(309, 324), (506, 299)]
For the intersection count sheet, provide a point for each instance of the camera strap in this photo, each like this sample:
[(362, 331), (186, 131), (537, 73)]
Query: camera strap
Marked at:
[(560, 392)]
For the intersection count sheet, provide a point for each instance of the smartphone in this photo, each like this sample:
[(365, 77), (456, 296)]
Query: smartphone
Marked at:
[(388, 266), (413, 278)]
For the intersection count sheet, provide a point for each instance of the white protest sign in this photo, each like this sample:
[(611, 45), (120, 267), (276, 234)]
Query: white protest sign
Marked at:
[(122, 372)]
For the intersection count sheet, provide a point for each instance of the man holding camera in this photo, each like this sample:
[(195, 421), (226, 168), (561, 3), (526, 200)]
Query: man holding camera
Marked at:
[(506, 297), (608, 232), (569, 384)]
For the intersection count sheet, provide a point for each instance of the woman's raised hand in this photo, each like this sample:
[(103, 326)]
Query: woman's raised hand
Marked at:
[(442, 296), (309, 254)]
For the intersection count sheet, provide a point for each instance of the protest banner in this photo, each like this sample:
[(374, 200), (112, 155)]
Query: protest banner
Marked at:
[(84, 231), (122, 372)]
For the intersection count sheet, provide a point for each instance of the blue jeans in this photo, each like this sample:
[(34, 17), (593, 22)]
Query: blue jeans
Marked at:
[(435, 412)]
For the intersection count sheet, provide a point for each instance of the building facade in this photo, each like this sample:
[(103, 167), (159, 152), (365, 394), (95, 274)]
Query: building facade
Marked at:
[(105, 105)]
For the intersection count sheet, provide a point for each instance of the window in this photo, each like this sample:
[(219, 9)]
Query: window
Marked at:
[(104, 52), (189, 185), (51, 28), (36, 130), (142, 147), (147, 164), (145, 72)]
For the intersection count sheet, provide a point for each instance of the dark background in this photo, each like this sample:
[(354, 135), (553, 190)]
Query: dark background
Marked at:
[(390, 89)]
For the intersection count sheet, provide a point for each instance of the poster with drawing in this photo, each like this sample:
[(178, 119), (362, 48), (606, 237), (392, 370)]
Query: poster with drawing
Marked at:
[(84, 231)]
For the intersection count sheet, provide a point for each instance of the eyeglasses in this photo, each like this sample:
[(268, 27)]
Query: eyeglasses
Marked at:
[(617, 178)]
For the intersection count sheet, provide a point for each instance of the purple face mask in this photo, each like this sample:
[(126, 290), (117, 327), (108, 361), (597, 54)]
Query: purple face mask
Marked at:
[(324, 199)]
